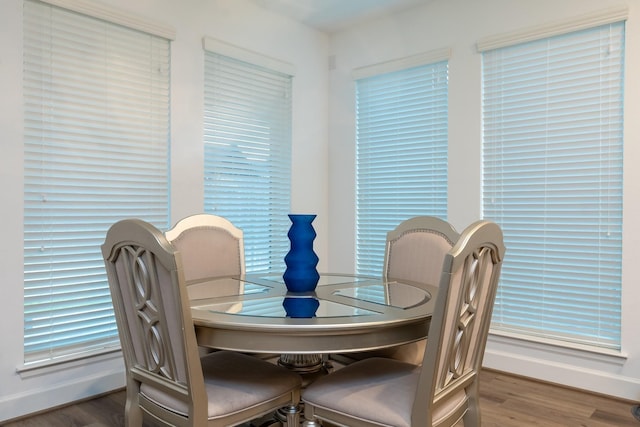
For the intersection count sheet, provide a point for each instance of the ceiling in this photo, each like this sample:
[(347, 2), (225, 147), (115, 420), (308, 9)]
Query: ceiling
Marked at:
[(334, 15)]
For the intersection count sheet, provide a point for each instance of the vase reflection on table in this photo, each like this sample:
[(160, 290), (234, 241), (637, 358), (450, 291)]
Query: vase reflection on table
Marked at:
[(300, 307)]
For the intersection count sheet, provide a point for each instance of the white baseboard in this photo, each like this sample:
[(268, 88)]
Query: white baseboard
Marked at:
[(593, 372), (54, 395)]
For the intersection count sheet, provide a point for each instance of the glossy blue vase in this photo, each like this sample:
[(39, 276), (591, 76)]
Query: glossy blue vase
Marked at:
[(301, 261)]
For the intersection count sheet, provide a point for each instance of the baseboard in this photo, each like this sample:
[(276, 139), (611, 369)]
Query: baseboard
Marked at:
[(19, 405), (568, 367)]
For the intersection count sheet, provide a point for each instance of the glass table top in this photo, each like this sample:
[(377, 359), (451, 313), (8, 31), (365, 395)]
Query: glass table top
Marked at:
[(325, 280), (224, 287), (391, 294), (336, 296), (279, 307)]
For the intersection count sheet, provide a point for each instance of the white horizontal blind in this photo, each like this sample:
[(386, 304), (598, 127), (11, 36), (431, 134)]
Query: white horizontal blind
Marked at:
[(96, 99), (247, 140), (401, 154), (552, 179)]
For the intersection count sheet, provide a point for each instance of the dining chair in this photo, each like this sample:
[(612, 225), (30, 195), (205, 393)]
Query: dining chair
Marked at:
[(444, 390), (211, 246), (414, 252), (165, 376)]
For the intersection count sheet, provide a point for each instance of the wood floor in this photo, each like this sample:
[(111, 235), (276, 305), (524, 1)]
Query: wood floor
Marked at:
[(506, 401), (510, 401)]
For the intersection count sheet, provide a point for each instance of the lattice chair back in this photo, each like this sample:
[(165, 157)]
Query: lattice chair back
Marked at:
[(155, 326), (460, 325)]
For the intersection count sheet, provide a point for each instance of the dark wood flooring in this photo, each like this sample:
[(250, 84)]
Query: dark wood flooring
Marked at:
[(506, 401)]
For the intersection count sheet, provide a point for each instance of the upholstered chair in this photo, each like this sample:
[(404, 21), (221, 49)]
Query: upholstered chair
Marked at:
[(414, 253), (166, 379), (443, 390)]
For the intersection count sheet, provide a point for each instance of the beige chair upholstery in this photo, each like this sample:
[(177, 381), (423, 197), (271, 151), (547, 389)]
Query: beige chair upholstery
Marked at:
[(165, 377), (444, 390), (211, 246), (414, 253), (416, 248)]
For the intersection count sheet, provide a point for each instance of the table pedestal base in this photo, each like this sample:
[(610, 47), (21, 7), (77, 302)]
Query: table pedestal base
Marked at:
[(309, 366), (302, 363)]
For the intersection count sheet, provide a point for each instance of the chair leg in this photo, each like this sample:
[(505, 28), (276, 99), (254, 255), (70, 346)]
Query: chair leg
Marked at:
[(472, 415), (133, 415), (309, 418)]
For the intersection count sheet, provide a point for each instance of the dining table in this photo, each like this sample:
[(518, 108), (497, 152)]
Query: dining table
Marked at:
[(255, 313)]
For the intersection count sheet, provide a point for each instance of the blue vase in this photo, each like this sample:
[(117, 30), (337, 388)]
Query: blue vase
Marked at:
[(301, 274)]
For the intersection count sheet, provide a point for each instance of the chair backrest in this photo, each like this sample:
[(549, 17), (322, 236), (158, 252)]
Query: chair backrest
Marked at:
[(416, 248), (152, 313), (460, 323), (210, 245)]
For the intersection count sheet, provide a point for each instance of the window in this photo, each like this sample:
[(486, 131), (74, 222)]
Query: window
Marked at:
[(552, 178), (96, 99), (247, 140), (401, 154)]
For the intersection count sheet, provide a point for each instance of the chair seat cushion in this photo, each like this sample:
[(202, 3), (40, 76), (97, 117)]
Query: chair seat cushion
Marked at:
[(376, 390), (233, 382)]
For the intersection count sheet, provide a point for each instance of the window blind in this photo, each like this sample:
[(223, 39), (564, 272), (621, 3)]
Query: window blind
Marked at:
[(552, 178), (247, 146), (96, 133), (401, 154)]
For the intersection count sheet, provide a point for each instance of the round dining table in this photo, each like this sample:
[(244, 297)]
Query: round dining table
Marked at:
[(346, 313)]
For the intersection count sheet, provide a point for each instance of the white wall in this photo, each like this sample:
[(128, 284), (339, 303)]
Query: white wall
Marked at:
[(323, 161), (237, 22), (459, 25)]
